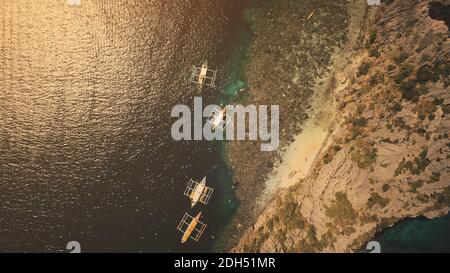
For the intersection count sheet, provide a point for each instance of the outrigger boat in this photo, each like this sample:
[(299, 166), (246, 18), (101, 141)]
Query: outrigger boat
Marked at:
[(203, 76), (191, 227), (220, 120), (310, 16), (198, 192)]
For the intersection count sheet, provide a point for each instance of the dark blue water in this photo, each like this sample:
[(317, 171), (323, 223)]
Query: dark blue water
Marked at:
[(85, 100), (419, 235)]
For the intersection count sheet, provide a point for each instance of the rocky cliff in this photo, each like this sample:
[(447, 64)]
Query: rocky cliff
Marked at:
[(387, 156)]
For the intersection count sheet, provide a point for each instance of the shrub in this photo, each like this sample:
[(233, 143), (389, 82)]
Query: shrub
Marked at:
[(420, 163), (356, 131), (424, 74), (438, 101), (404, 165), (359, 122), (405, 71), (425, 58), (416, 185), (375, 199), (363, 69), (342, 210), (375, 79), (442, 68), (400, 58), (409, 91), (435, 176), (442, 199), (360, 109), (364, 157), (446, 109), (397, 107), (373, 36), (400, 123), (374, 53), (327, 158), (423, 198), (423, 90)]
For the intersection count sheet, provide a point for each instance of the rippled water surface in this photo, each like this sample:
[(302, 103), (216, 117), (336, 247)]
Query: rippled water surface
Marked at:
[(85, 99)]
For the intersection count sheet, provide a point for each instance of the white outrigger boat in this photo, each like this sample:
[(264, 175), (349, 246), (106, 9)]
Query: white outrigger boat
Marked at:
[(198, 192), (220, 120), (203, 76)]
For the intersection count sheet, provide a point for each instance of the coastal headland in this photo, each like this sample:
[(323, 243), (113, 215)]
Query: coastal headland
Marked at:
[(363, 95)]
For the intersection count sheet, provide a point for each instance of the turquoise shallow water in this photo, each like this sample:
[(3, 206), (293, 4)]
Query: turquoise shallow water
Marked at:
[(417, 235)]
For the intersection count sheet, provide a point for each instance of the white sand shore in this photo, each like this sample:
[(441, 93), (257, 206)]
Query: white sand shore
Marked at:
[(299, 156)]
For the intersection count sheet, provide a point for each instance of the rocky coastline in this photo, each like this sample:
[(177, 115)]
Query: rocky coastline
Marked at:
[(384, 71)]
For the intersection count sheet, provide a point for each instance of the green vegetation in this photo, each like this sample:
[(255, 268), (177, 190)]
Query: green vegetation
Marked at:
[(442, 68), (375, 79), (423, 198), (327, 158), (442, 199), (386, 187), (363, 69), (409, 91), (435, 176), (446, 109), (416, 185), (342, 211), (425, 58), (426, 109), (359, 122), (290, 216), (405, 71), (390, 67), (375, 53), (416, 167), (397, 107), (337, 148), (365, 155), (423, 90), (375, 199), (356, 132), (360, 109), (373, 36), (400, 123), (420, 163), (438, 101), (404, 165), (400, 58), (424, 74)]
